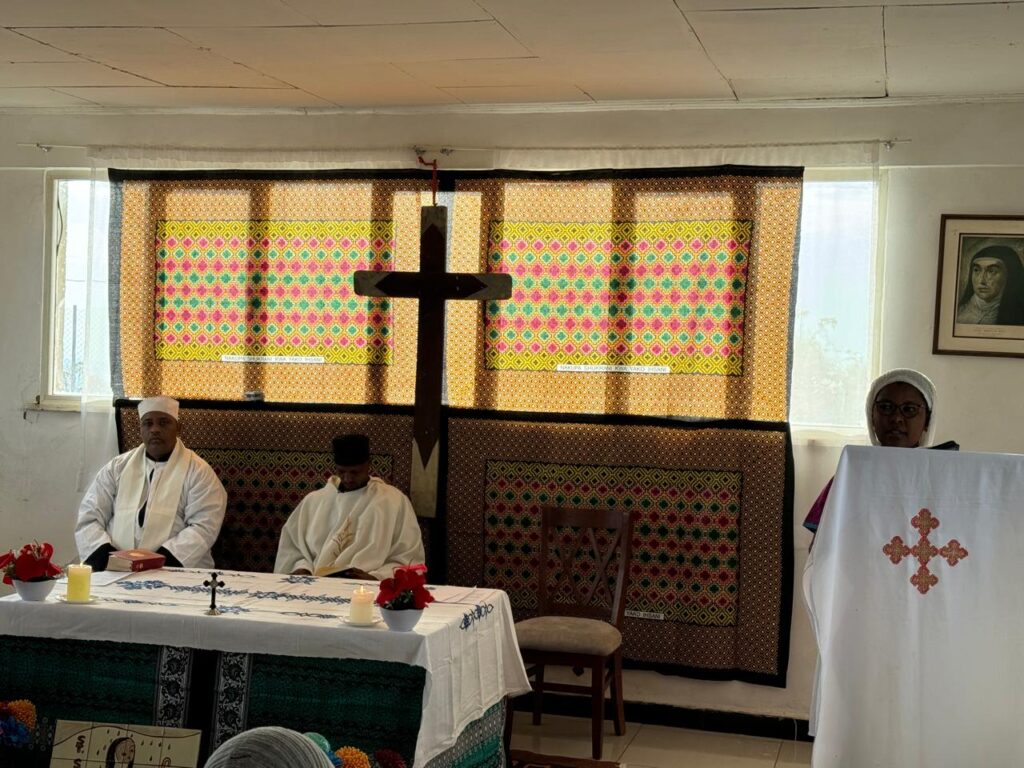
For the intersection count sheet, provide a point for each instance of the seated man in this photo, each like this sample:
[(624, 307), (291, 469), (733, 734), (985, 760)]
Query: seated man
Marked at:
[(160, 496), (356, 526)]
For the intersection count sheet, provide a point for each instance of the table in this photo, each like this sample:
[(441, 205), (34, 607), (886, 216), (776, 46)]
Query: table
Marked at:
[(284, 655)]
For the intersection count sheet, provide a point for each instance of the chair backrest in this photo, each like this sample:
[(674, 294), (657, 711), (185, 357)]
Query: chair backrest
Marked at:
[(591, 550)]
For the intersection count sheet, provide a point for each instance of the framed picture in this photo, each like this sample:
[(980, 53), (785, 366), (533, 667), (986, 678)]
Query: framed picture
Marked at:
[(979, 305)]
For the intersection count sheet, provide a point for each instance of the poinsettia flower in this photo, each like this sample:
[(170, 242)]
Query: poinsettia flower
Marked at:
[(405, 590), (32, 563)]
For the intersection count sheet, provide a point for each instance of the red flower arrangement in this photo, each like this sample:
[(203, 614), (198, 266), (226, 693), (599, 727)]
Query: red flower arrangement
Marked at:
[(32, 563), (406, 590)]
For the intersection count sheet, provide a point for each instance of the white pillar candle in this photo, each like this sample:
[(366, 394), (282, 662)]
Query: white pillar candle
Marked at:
[(79, 583), (361, 609)]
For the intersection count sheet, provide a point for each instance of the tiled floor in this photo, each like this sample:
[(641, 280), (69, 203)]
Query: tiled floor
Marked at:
[(655, 746)]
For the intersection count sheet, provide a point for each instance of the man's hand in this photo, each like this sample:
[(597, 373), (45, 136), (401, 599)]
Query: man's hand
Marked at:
[(302, 572), (357, 573)]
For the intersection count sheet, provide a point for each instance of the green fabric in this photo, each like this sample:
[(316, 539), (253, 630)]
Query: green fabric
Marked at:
[(480, 745), (378, 704), (76, 680)]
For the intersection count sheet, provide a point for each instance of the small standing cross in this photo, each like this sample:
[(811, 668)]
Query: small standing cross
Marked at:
[(213, 582)]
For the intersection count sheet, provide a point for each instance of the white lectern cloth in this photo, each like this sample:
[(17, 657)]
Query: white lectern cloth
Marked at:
[(908, 677)]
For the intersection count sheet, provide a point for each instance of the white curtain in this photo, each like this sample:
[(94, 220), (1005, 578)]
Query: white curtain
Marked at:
[(845, 154), (99, 435)]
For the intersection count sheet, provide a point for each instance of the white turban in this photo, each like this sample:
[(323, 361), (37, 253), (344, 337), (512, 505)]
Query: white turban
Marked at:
[(269, 747), (918, 381), (160, 403)]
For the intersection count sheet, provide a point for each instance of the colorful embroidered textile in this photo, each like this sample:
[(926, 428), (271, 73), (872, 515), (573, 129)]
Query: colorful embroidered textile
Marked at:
[(710, 579), (269, 459), (79, 680), (226, 285), (666, 293), (271, 289)]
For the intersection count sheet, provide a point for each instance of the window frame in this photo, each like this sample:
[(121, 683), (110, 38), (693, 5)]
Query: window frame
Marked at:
[(48, 399), (819, 435)]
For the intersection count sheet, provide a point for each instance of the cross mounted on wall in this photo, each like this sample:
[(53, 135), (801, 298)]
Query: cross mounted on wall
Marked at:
[(432, 286)]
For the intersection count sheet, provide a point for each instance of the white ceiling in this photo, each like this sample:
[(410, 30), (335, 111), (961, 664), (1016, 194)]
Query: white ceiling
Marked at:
[(326, 54)]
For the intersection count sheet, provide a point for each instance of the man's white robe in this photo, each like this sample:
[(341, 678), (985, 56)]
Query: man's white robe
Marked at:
[(196, 523), (373, 528), (922, 673)]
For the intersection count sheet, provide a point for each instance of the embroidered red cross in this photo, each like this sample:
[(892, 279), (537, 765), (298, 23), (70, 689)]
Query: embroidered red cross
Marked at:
[(924, 551)]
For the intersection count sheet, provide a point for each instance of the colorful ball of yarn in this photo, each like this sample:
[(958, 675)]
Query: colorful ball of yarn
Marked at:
[(352, 757), (320, 740)]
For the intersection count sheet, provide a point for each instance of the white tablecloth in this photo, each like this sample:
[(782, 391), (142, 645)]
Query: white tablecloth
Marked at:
[(465, 641)]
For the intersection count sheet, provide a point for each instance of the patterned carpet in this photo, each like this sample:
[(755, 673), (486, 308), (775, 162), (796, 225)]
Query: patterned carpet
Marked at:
[(522, 759)]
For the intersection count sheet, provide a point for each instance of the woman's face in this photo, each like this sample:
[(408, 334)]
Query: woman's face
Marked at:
[(988, 276), (891, 417), (125, 752)]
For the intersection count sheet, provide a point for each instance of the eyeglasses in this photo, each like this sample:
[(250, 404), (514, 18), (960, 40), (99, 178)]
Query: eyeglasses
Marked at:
[(907, 410)]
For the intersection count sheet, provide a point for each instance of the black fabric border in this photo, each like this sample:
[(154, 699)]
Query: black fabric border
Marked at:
[(649, 713), (448, 179), (114, 286), (613, 419), (123, 403), (227, 174)]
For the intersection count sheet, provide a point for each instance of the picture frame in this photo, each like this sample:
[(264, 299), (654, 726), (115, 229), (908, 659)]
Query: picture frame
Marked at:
[(979, 302)]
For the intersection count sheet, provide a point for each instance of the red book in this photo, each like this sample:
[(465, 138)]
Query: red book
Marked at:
[(135, 560)]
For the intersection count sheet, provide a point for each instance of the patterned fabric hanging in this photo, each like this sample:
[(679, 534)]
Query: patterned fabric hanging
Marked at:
[(225, 285), (659, 293)]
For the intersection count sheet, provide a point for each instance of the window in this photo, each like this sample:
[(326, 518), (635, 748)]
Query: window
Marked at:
[(77, 342), (833, 350)]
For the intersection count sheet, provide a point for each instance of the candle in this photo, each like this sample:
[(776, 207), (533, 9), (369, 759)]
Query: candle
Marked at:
[(361, 610), (79, 582)]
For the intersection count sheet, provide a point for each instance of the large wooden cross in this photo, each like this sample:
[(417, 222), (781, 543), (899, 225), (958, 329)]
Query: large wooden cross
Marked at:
[(433, 286)]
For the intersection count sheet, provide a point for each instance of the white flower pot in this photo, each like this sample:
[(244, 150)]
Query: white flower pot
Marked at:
[(33, 591), (401, 621)]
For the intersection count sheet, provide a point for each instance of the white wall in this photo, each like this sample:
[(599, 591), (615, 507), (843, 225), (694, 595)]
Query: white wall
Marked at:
[(39, 452), (980, 397)]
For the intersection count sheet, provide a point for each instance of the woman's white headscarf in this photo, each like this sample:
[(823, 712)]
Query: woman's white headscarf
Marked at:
[(918, 381), (269, 747)]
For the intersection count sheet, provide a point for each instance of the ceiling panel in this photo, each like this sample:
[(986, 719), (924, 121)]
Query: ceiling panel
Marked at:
[(956, 51), (483, 72), (654, 75), (809, 87), (148, 13), (268, 50), (39, 97), (61, 74), (155, 54), (191, 98), (842, 43), (15, 47), (518, 94), (735, 5), (358, 83), (352, 12), (593, 26)]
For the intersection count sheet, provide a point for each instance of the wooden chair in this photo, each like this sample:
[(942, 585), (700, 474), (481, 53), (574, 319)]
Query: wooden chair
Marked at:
[(580, 610)]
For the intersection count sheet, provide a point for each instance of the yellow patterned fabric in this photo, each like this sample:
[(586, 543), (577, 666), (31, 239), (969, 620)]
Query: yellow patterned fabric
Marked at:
[(667, 295), (231, 285)]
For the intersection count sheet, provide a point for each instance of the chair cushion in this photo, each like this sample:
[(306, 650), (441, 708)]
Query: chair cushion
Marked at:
[(568, 634)]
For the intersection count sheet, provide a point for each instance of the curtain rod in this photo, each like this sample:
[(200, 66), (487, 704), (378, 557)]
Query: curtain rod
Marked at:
[(887, 143)]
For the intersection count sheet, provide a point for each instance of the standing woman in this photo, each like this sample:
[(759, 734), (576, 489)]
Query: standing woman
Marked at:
[(900, 409)]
